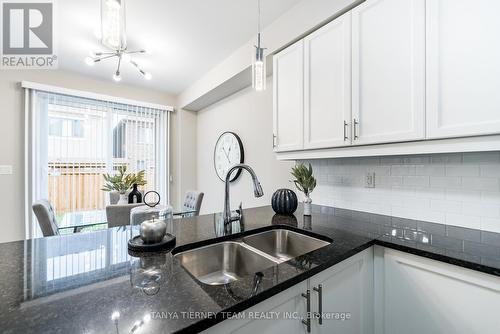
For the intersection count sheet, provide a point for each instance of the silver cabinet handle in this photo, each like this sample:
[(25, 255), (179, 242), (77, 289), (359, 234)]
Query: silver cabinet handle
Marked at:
[(319, 315), (345, 130), (355, 127), (274, 140), (307, 320)]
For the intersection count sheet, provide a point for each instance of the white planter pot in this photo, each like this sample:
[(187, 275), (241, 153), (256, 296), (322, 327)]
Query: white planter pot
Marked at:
[(123, 199), (307, 206)]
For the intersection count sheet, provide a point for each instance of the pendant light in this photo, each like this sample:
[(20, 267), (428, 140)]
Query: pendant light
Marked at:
[(114, 39), (258, 60)]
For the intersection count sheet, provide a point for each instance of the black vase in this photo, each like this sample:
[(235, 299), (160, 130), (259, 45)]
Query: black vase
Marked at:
[(135, 196), (284, 201)]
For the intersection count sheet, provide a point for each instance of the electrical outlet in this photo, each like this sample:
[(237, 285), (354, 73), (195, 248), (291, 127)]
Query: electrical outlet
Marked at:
[(370, 180)]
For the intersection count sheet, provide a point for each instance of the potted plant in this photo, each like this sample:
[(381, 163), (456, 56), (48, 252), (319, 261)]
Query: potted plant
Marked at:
[(121, 182), (305, 182)]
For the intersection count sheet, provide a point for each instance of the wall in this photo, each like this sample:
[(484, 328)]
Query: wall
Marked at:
[(249, 114), (12, 145), (185, 164), (460, 189), (297, 21)]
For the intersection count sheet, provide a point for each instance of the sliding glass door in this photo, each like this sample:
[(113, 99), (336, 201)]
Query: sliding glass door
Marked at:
[(78, 140)]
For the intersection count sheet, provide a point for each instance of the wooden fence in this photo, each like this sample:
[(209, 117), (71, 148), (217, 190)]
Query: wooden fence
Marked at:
[(77, 186), (69, 192)]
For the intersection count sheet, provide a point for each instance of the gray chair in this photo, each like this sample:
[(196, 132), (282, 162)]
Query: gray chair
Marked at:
[(192, 202), (46, 217), (119, 215)]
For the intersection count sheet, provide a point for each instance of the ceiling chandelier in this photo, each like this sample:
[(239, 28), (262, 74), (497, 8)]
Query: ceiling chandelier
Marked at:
[(114, 38), (258, 60)]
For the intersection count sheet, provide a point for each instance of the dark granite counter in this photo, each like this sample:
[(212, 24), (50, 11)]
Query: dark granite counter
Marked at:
[(75, 283)]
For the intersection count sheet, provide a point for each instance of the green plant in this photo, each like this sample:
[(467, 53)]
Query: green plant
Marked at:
[(304, 179), (121, 181)]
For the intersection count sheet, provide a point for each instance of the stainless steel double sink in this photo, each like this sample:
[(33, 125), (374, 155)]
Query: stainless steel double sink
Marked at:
[(228, 261)]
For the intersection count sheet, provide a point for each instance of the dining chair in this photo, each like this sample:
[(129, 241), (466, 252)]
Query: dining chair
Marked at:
[(192, 202), (46, 218), (119, 214)]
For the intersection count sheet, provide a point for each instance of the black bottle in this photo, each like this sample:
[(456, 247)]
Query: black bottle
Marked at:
[(135, 196)]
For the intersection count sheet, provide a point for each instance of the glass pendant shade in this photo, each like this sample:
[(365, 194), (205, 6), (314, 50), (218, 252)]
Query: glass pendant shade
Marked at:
[(259, 68), (113, 24)]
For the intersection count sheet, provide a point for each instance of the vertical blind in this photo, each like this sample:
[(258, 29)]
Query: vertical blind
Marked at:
[(76, 140)]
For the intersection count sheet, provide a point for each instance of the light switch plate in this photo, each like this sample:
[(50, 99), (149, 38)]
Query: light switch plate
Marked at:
[(370, 180), (5, 169)]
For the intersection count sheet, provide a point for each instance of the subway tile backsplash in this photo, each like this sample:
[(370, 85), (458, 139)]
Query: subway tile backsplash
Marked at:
[(461, 189)]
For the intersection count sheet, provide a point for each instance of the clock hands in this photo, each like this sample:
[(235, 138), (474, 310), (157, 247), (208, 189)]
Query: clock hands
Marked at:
[(227, 154)]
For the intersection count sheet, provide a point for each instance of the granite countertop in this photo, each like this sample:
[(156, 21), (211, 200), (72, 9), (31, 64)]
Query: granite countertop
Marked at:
[(74, 283)]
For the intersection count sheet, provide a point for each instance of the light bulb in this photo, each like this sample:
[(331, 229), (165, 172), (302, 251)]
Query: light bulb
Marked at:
[(89, 61), (259, 76), (148, 76), (117, 77), (115, 315)]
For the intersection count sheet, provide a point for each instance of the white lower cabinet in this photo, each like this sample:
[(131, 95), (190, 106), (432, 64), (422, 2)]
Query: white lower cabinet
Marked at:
[(289, 302), (419, 295), (347, 303), (382, 291), (347, 296)]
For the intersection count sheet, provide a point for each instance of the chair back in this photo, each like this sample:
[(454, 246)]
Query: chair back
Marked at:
[(46, 217), (193, 201), (119, 215)]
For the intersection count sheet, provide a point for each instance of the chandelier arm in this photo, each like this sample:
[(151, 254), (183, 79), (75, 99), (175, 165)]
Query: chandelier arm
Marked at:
[(105, 57), (119, 64), (134, 52)]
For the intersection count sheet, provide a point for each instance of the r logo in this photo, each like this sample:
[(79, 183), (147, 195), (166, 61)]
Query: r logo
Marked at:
[(27, 28)]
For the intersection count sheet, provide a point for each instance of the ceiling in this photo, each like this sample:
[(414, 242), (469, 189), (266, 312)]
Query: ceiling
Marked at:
[(187, 38)]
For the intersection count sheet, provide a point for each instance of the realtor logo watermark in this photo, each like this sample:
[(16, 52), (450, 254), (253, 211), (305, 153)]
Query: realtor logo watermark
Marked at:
[(28, 35)]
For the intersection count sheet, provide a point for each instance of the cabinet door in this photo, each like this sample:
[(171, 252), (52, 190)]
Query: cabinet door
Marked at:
[(327, 84), (388, 67), (288, 109), (347, 288), (463, 68), (288, 309), (427, 296)]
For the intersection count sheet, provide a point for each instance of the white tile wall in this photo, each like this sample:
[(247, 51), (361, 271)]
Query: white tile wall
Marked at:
[(461, 189)]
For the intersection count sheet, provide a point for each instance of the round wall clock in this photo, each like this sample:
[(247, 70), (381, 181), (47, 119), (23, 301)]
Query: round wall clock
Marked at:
[(228, 152)]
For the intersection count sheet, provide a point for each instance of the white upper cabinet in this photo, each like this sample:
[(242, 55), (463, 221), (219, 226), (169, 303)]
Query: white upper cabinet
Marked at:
[(327, 85), (393, 72), (288, 109), (463, 68), (388, 67)]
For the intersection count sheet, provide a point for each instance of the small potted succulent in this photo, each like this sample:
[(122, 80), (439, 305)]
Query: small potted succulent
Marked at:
[(121, 182), (305, 182)]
